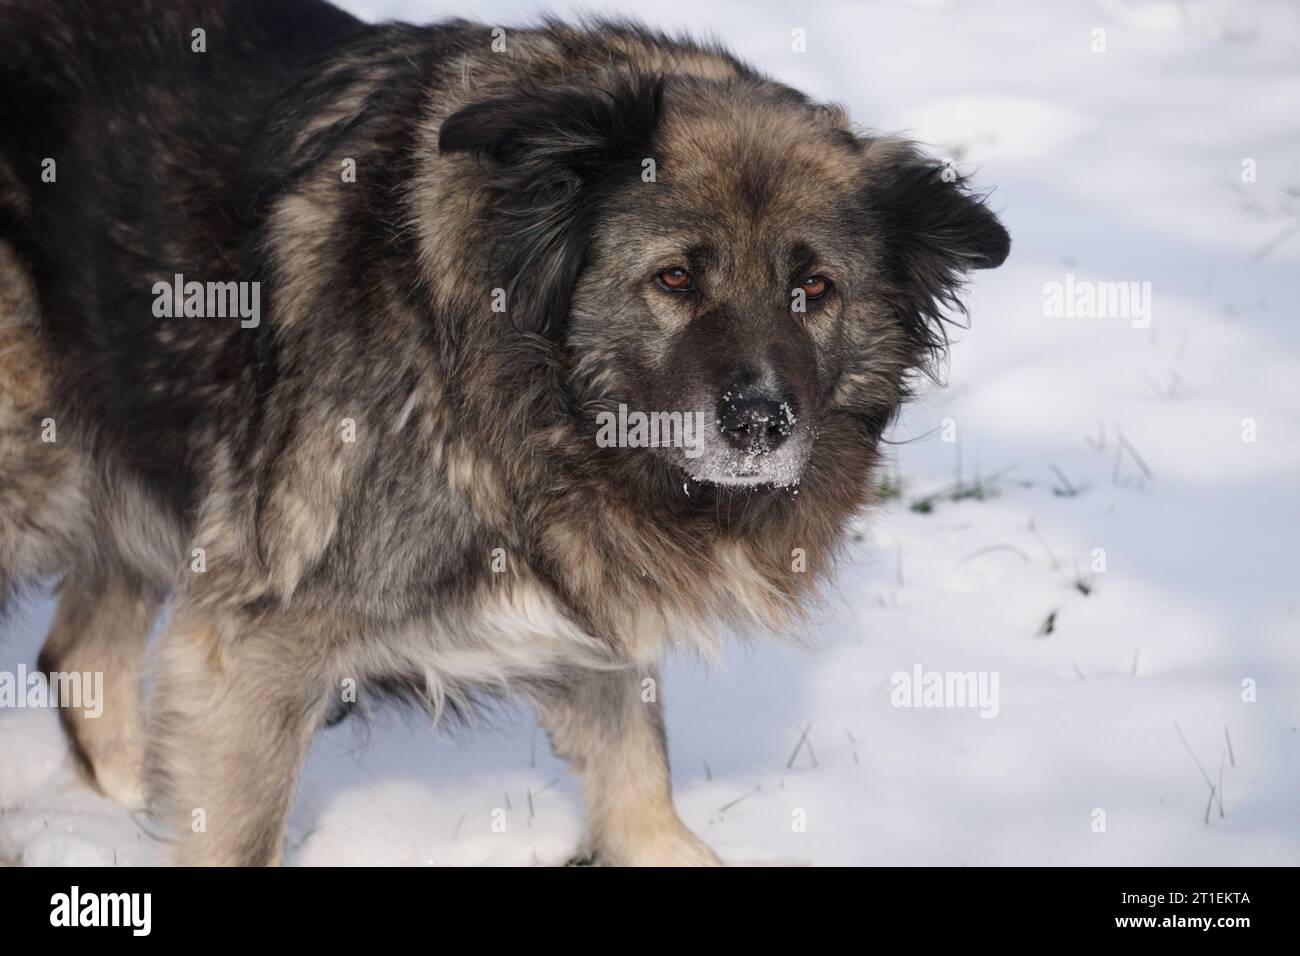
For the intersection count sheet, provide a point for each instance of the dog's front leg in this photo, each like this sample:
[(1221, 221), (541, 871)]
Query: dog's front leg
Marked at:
[(610, 728), (234, 707)]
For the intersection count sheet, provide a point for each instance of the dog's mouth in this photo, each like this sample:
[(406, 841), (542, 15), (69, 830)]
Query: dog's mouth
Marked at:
[(770, 469), (760, 463)]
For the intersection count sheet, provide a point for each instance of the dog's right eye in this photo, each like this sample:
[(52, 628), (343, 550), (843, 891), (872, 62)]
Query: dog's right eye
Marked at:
[(675, 280)]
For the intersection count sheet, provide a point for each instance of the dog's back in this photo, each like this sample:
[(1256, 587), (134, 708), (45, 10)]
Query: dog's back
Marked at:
[(128, 95), (117, 117)]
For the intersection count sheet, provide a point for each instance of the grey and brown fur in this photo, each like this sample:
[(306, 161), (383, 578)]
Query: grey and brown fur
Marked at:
[(474, 538)]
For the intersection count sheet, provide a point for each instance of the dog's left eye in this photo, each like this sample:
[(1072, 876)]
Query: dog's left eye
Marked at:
[(676, 280), (814, 287)]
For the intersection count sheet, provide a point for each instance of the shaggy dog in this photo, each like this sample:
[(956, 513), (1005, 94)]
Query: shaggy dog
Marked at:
[(317, 329)]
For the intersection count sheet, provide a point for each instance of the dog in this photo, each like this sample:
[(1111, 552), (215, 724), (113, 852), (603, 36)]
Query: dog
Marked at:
[(313, 327)]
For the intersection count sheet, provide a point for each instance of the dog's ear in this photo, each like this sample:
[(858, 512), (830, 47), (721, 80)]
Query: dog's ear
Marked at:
[(548, 156), (932, 231)]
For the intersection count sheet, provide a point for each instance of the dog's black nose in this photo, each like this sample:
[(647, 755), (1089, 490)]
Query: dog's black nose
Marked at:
[(754, 423)]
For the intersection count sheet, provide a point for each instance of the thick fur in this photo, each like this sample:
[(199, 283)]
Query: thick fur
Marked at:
[(473, 536)]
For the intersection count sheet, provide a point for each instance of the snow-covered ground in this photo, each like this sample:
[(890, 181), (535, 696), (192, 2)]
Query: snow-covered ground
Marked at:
[(1122, 165)]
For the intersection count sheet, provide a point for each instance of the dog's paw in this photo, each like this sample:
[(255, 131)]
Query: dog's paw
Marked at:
[(670, 847), (110, 758), (118, 778)]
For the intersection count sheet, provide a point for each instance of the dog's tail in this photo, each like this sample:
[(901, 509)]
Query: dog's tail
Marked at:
[(43, 492)]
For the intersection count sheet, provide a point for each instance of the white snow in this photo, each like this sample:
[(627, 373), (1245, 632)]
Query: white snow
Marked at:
[(1123, 165)]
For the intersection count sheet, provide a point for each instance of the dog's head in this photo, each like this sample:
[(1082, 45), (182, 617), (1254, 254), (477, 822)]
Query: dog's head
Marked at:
[(727, 251)]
